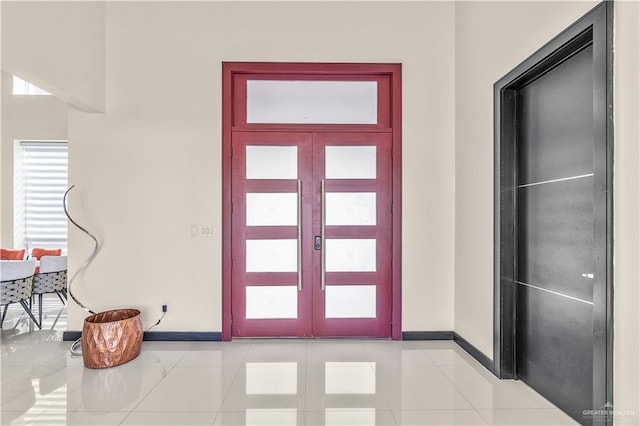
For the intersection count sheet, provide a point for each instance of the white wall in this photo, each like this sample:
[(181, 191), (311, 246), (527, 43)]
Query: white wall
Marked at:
[(150, 166), (626, 195), (58, 46), (23, 118), (491, 39)]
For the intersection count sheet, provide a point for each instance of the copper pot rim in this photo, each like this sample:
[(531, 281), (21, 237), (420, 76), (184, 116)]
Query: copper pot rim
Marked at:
[(131, 313)]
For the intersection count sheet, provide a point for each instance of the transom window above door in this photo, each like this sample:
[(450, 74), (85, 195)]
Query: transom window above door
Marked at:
[(311, 100)]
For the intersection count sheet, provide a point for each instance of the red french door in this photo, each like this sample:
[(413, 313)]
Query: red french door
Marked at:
[(311, 234), (271, 213)]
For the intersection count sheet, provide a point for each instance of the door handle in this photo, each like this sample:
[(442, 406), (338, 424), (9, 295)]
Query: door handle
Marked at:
[(317, 242), (323, 225)]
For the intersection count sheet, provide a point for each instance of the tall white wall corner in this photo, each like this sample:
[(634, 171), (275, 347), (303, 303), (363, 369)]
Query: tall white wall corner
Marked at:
[(59, 47)]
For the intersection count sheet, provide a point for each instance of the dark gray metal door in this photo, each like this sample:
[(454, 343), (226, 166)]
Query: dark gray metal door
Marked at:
[(555, 234), (553, 220)]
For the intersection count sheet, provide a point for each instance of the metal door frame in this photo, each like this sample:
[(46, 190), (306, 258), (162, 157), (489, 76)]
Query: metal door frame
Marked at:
[(390, 113), (596, 28)]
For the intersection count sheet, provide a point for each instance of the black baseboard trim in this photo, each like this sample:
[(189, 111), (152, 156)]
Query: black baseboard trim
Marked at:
[(216, 336), (182, 336), (427, 335), (451, 335), (474, 352), (163, 336)]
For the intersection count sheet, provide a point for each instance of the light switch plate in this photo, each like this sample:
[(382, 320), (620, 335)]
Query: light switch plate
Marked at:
[(203, 231)]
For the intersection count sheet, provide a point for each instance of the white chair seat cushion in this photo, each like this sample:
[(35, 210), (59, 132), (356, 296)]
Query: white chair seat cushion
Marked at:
[(53, 264), (16, 269)]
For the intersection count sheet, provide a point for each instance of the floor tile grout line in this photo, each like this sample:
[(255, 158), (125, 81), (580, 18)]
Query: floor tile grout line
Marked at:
[(152, 388), (458, 389), (173, 367), (473, 407), (478, 409)]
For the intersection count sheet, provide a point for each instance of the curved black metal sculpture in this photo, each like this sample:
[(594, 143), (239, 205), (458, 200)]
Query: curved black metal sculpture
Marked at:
[(91, 256)]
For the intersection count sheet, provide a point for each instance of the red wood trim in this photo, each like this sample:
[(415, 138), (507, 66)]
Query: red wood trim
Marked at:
[(271, 278), (240, 101), (351, 278), (312, 68), (315, 128), (396, 209), (337, 232), (227, 120), (265, 327), (271, 232), (272, 185)]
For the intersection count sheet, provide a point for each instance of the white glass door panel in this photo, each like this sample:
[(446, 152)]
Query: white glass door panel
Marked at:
[(350, 162), (272, 162), (272, 209), (351, 255), (351, 208), (272, 255), (269, 302), (350, 301)]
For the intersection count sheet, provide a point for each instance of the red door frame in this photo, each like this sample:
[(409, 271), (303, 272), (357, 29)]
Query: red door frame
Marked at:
[(390, 114)]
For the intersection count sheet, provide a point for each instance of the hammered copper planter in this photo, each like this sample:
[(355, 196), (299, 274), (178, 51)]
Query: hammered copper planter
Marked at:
[(111, 338)]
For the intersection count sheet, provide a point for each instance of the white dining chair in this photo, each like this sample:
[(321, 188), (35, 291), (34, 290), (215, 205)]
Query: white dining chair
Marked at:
[(16, 280), (51, 278)]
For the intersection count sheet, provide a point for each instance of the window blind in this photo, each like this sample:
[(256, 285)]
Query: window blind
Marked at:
[(45, 166)]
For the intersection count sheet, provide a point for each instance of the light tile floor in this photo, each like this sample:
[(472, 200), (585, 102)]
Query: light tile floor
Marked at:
[(257, 382)]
